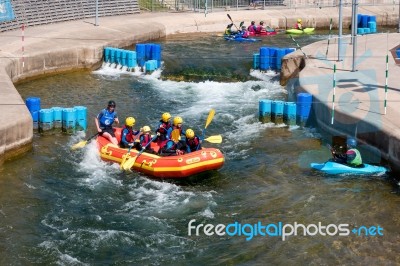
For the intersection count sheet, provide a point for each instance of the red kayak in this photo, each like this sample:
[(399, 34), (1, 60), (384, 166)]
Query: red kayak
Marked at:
[(263, 33)]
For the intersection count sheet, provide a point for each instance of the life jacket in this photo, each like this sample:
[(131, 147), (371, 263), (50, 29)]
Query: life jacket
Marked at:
[(245, 34), (107, 119), (145, 139), (357, 159), (252, 28), (193, 143), (259, 29), (163, 127), (298, 26), (129, 136)]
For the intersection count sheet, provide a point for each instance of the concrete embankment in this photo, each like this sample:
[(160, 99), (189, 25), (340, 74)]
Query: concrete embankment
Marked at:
[(78, 44), (359, 95)]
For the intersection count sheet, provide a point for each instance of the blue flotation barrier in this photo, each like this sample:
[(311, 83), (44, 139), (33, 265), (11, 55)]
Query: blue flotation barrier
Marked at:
[(112, 55), (272, 57), (398, 52), (367, 30), (364, 21), (156, 54), (81, 118), (360, 31), (131, 59), (280, 53), (277, 112), (57, 117), (33, 105), (107, 54), (124, 55), (147, 49), (45, 120), (264, 58), (141, 54), (304, 102), (256, 61), (289, 113), (151, 65), (69, 120), (264, 107), (359, 20), (118, 56), (289, 50)]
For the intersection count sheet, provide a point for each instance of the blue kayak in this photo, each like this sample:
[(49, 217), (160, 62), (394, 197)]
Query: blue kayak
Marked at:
[(240, 39), (337, 168)]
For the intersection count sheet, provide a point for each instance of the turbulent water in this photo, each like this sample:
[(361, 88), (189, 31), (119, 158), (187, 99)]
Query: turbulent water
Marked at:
[(70, 208)]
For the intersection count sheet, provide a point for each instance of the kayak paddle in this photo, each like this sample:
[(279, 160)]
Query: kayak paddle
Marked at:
[(232, 21), (128, 154), (131, 161)]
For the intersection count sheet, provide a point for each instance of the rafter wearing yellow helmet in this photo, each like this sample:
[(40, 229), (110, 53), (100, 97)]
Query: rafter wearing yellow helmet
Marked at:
[(164, 127), (128, 134)]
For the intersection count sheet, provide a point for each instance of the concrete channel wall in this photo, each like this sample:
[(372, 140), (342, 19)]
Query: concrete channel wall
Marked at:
[(79, 44)]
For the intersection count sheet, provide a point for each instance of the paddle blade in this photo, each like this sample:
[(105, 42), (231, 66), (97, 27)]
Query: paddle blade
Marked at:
[(129, 163), (210, 117), (229, 17), (124, 158), (214, 139), (79, 145), (241, 24), (175, 135)]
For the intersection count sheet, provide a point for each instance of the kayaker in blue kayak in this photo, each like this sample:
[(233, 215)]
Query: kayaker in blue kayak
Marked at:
[(128, 133), (352, 157), (228, 30)]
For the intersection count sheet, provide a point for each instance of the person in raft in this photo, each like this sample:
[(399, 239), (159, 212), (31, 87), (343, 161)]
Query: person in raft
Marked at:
[(193, 142), (145, 138), (228, 30), (177, 124), (128, 134), (261, 28), (298, 25), (172, 147), (104, 121), (164, 127), (352, 157), (252, 27), (244, 33)]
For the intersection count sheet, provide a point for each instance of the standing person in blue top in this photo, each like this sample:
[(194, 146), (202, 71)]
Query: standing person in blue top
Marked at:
[(352, 157), (128, 133), (193, 142), (164, 127), (104, 121)]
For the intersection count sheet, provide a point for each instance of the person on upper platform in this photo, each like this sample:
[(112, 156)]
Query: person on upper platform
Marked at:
[(193, 142), (164, 127), (298, 25), (252, 27), (128, 133), (352, 157), (104, 121)]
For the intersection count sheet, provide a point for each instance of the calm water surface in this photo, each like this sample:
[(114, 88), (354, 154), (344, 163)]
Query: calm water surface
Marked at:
[(69, 208)]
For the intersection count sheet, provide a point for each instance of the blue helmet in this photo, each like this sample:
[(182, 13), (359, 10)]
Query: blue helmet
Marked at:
[(351, 142)]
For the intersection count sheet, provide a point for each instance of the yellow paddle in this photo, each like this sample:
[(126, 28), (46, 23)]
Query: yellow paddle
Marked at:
[(128, 154), (175, 135), (83, 143), (210, 117), (131, 161), (214, 139)]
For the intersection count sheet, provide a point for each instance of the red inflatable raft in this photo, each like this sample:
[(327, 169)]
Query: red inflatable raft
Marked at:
[(163, 167)]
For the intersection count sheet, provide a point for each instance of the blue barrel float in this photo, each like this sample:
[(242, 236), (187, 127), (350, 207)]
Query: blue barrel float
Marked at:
[(147, 48), (107, 54), (280, 53), (45, 120), (33, 104), (141, 54), (156, 54), (124, 55), (277, 112), (69, 120), (304, 102), (112, 55), (272, 57), (398, 52), (131, 59), (264, 58), (57, 117), (256, 61), (264, 110), (289, 113), (81, 118)]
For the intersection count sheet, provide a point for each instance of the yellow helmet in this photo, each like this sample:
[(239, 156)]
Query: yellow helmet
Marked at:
[(146, 129), (165, 117), (299, 20), (190, 133), (130, 121), (178, 120)]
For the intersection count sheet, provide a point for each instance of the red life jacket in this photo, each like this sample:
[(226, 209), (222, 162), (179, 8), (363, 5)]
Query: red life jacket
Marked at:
[(163, 128), (129, 136), (145, 139), (193, 143)]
